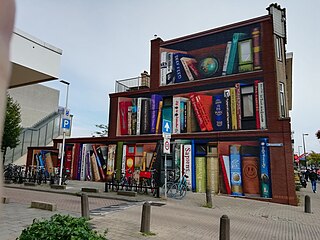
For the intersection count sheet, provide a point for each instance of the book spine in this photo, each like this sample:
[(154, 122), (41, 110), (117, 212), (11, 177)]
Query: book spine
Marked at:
[(226, 94), (185, 119), (256, 104), (179, 74), (233, 54), (163, 68), (256, 48), (88, 166), (235, 170), (238, 104), (197, 112), (145, 117), (203, 113), (233, 101), (79, 162), (130, 120), (139, 106), (134, 117), (187, 164), (219, 113), (187, 69), (176, 115), (111, 158), (265, 181), (226, 58), (154, 108), (225, 167), (200, 174), (100, 169), (123, 160), (123, 107), (83, 161), (262, 110), (158, 126), (95, 169), (170, 70)]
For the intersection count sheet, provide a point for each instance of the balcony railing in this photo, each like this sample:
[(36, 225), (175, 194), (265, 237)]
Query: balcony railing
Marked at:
[(131, 84)]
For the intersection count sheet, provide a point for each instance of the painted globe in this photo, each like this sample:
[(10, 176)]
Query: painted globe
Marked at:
[(208, 66)]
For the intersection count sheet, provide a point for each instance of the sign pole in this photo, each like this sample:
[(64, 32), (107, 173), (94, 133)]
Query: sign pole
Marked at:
[(165, 176)]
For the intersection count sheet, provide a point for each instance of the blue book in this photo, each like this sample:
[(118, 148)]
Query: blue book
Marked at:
[(265, 179), (167, 109), (219, 113), (235, 171), (234, 52), (180, 75), (154, 108)]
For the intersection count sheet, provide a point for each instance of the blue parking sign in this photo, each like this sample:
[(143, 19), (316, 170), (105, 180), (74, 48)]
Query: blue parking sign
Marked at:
[(66, 123)]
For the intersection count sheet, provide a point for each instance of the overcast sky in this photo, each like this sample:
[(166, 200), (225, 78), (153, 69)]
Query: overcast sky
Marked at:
[(108, 40)]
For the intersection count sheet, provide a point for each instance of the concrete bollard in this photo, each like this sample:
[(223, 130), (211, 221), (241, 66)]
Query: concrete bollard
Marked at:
[(145, 218), (224, 228), (85, 206), (307, 204)]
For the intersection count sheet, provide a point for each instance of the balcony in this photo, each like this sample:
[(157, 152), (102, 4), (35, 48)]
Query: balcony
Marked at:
[(132, 84)]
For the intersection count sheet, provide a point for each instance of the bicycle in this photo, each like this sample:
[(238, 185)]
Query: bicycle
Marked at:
[(171, 180), (179, 190)]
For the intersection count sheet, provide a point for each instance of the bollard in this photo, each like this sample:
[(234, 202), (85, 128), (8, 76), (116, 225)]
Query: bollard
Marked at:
[(106, 187), (224, 228), (307, 204), (85, 206), (145, 218)]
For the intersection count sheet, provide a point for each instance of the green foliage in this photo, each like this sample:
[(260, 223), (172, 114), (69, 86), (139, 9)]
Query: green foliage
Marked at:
[(12, 126), (60, 227), (314, 158)]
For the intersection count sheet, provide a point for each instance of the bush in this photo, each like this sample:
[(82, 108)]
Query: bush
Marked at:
[(60, 227)]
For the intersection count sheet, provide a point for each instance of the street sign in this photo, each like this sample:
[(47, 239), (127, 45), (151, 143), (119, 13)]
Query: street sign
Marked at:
[(166, 145), (66, 123), (274, 144), (166, 126), (67, 112)]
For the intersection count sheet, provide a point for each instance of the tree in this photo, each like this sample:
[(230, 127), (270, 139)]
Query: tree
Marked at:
[(318, 134), (12, 126), (103, 132), (314, 158)]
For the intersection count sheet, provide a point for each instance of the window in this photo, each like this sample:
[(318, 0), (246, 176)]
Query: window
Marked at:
[(282, 100), (279, 48), (247, 95)]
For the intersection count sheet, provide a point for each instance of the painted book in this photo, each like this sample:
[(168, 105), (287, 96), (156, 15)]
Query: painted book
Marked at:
[(219, 113), (235, 170), (102, 156), (238, 105), (111, 158), (225, 168), (88, 167), (213, 172), (83, 162), (256, 48), (49, 163), (177, 114), (233, 107), (197, 113), (262, 108), (117, 163), (145, 116), (232, 62), (226, 58), (201, 174), (190, 67), (256, 104), (154, 109), (158, 124), (226, 94), (95, 170), (139, 115), (134, 117), (250, 169), (163, 68), (248, 115), (130, 120), (123, 108), (187, 163), (167, 109), (170, 69), (102, 175), (192, 123), (123, 159), (265, 177), (75, 161), (180, 75), (183, 116)]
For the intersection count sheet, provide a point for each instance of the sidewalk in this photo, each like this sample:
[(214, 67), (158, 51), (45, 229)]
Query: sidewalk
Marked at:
[(188, 219)]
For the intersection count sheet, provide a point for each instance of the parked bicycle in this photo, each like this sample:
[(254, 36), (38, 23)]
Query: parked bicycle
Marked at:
[(179, 190)]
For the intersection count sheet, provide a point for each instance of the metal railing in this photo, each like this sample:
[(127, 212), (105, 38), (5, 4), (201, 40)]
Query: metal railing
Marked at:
[(41, 134), (133, 83)]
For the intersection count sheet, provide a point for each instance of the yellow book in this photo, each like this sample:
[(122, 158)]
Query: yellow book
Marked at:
[(233, 106)]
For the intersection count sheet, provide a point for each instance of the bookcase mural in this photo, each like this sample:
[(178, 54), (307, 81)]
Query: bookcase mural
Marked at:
[(237, 106), (219, 54)]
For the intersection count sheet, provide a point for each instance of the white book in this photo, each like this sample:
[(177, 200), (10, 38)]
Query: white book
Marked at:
[(187, 163), (163, 68), (83, 162), (184, 61), (176, 114), (262, 108), (226, 161), (124, 157), (226, 58)]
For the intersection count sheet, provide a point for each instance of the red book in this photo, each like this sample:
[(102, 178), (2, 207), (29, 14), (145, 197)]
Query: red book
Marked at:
[(75, 161), (225, 175), (256, 101), (197, 112), (68, 158), (204, 103), (123, 108)]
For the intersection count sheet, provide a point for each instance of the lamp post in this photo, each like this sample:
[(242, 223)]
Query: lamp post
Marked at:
[(304, 148), (299, 154), (64, 132)]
